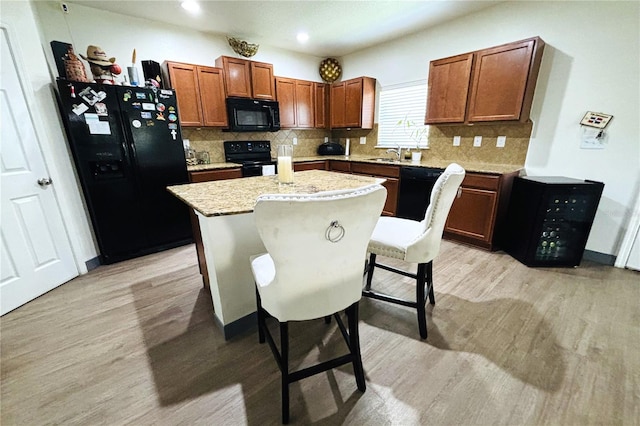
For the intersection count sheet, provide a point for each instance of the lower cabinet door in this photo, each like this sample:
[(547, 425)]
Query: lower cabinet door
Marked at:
[(390, 206), (473, 215)]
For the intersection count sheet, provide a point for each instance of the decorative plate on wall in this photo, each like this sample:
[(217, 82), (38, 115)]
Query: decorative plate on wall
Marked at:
[(330, 70)]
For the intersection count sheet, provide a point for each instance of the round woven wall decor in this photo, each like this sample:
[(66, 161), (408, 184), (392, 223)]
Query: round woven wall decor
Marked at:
[(330, 70)]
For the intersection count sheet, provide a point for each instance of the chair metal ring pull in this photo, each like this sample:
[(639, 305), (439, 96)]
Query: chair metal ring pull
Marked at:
[(336, 236)]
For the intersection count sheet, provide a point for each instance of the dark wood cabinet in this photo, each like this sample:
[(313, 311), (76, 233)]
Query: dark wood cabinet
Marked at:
[(392, 182), (200, 93), (310, 165), (262, 83), (211, 85), (478, 212), (513, 70), (495, 84), (340, 166), (338, 103), (353, 103), (247, 79), (205, 176), (305, 106), (448, 89), (219, 174), (296, 101), (321, 111)]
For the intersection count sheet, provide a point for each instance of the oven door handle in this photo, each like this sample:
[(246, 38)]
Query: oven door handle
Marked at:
[(270, 117)]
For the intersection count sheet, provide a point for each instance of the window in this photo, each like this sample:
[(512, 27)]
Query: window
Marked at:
[(401, 115)]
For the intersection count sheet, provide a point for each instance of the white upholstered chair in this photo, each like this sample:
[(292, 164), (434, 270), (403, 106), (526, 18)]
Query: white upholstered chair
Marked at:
[(316, 248), (415, 242)]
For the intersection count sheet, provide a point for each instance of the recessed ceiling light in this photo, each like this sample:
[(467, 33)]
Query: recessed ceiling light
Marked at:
[(191, 6), (302, 37)]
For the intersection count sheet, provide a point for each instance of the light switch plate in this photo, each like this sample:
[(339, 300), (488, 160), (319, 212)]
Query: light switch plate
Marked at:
[(326, 139), (363, 140), (295, 141), (501, 141), (456, 141), (477, 141)]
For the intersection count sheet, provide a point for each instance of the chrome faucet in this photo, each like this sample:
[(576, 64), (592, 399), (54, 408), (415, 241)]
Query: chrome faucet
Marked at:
[(397, 151)]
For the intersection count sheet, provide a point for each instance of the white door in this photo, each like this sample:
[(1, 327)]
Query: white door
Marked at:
[(35, 251)]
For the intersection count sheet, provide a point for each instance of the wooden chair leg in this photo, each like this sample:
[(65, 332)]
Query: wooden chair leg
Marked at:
[(261, 317), (284, 358), (372, 265), (421, 300), (354, 343)]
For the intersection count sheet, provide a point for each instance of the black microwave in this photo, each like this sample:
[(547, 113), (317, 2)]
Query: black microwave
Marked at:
[(253, 115)]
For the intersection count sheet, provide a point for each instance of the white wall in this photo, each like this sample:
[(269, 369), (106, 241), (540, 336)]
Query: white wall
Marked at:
[(591, 63), (118, 35)]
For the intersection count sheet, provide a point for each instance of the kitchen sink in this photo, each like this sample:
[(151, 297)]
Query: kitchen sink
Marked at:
[(384, 160), (389, 160)]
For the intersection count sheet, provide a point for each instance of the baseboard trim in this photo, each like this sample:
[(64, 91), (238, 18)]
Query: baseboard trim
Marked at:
[(92, 263), (594, 256), (238, 326)]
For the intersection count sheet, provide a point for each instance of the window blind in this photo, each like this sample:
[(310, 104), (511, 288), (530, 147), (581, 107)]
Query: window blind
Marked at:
[(405, 104)]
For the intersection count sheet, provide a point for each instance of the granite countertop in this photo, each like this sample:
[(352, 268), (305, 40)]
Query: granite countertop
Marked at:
[(469, 166), (234, 196)]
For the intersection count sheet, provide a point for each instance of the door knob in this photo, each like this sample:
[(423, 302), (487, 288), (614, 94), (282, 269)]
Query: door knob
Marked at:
[(45, 182)]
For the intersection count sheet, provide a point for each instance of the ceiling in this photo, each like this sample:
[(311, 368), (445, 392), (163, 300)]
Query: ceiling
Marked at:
[(335, 28)]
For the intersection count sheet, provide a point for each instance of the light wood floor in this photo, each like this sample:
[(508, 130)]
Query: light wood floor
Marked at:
[(135, 343)]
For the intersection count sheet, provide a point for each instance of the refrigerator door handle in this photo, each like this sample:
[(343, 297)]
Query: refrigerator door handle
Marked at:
[(128, 142)]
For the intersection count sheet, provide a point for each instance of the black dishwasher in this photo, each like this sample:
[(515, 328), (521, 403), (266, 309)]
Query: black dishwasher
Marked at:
[(415, 191)]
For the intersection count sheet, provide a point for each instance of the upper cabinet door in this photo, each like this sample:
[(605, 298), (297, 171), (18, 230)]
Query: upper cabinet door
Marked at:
[(500, 81), (285, 88), (262, 82), (338, 96), (353, 103), (304, 104), (238, 76), (214, 110), (184, 80), (495, 84), (321, 105), (448, 89)]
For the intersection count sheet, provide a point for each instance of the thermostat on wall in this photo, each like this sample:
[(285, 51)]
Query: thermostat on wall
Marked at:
[(596, 119)]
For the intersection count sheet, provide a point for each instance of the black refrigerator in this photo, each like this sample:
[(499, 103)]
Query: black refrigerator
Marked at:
[(127, 148)]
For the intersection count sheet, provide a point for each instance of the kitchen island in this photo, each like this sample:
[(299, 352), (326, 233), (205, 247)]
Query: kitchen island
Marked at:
[(225, 214)]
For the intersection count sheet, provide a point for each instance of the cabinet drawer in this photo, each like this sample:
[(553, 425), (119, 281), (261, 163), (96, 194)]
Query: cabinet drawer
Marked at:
[(310, 165), (473, 180), (340, 166), (208, 175), (375, 169)]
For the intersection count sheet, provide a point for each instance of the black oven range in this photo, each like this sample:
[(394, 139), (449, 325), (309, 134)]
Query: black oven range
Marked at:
[(251, 154)]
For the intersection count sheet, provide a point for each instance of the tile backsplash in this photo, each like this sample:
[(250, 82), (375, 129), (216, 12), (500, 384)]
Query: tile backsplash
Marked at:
[(211, 140), (440, 142)]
